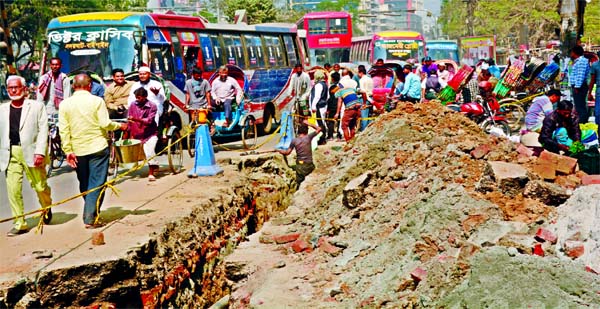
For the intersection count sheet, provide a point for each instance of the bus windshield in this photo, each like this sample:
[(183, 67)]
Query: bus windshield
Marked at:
[(438, 51), (398, 49), (99, 49), (329, 55)]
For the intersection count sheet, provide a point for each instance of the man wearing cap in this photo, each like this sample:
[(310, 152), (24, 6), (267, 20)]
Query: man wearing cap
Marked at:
[(428, 66), (156, 92)]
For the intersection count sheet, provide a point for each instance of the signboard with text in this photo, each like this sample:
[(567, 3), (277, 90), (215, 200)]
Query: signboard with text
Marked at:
[(475, 48)]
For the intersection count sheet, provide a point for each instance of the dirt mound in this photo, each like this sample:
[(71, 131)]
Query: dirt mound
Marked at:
[(408, 213)]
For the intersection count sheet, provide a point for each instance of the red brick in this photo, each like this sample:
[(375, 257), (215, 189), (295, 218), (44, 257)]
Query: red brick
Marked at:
[(545, 170), (590, 180), (524, 150), (590, 269), (284, 239), (324, 245), (300, 245), (480, 151), (418, 274), (538, 250), (545, 235), (562, 164), (574, 248), (568, 182)]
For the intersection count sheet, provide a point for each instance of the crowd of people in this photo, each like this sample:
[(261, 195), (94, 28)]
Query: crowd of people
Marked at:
[(85, 114)]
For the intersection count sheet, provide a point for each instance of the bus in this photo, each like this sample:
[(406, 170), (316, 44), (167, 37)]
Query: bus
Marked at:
[(443, 49), (171, 45), (391, 46), (327, 37)]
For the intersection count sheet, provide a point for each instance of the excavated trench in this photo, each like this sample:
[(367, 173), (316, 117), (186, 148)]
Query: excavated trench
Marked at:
[(180, 266)]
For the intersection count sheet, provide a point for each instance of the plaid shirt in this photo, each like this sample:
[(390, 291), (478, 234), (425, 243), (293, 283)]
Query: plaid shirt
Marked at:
[(579, 72)]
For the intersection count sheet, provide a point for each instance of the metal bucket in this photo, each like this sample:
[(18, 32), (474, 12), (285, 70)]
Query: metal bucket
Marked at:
[(129, 150)]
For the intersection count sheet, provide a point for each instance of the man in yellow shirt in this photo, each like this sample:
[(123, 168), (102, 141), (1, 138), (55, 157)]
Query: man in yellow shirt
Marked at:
[(117, 94), (83, 121)]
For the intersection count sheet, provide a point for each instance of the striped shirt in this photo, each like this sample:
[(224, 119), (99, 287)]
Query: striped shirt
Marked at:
[(579, 72), (349, 97)]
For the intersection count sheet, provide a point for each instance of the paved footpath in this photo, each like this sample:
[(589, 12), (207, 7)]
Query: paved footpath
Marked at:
[(140, 209)]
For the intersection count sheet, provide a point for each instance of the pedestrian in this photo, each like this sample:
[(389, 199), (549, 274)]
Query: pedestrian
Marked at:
[(116, 95), (303, 145), (578, 82), (431, 86), (318, 102), (365, 84), (23, 147), (379, 62), (411, 91), (595, 80), (348, 80), (332, 106), (54, 87), (540, 108), (443, 75), (156, 91), (83, 121), (560, 128), (197, 93), (224, 90), (300, 83), (97, 84), (143, 128), (351, 104)]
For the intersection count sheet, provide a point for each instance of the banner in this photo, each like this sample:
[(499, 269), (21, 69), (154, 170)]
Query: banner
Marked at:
[(475, 48)]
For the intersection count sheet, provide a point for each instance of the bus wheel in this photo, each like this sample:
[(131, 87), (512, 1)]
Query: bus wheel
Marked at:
[(267, 125)]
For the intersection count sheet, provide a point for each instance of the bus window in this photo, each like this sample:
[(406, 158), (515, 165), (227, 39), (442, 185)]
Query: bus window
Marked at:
[(161, 61), (208, 53), (218, 51), (233, 50), (317, 26), (290, 49), (338, 25), (191, 58), (274, 51), (254, 48), (178, 63)]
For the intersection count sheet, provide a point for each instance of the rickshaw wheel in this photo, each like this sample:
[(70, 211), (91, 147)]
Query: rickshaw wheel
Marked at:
[(249, 133), (175, 153)]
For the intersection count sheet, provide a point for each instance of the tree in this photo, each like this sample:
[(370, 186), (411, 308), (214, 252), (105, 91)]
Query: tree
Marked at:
[(350, 6), (592, 23), (258, 11), (504, 18)]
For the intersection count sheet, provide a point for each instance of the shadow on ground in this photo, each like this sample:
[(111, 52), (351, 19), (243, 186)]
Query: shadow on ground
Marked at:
[(116, 213)]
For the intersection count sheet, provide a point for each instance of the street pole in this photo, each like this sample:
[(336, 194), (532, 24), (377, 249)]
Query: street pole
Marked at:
[(9, 51)]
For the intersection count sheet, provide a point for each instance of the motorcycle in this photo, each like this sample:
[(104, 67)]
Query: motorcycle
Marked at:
[(485, 110)]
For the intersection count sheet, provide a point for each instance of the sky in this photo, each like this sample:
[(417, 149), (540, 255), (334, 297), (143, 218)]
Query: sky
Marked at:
[(433, 6)]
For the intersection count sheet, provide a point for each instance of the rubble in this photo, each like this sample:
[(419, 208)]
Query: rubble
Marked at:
[(546, 192), (510, 178)]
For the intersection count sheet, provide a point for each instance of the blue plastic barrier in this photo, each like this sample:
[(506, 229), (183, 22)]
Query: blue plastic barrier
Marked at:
[(204, 162), (286, 132)]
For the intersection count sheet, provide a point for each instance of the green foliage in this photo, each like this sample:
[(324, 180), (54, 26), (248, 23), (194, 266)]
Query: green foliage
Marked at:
[(592, 23), (505, 18), (576, 148), (350, 6), (208, 15), (28, 18), (258, 11)]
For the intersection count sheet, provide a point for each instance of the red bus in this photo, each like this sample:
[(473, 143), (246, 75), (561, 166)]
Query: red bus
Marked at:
[(327, 37), (391, 46), (171, 45)]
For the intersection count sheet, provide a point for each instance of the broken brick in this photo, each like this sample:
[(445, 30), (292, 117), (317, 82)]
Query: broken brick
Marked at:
[(481, 151), (573, 248), (324, 245), (569, 181), (545, 170), (284, 239), (300, 245), (538, 250), (524, 150), (590, 180), (546, 235), (418, 274), (562, 164)]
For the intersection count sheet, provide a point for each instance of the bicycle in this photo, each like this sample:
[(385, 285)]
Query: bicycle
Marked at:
[(56, 154), (514, 110), (113, 161)]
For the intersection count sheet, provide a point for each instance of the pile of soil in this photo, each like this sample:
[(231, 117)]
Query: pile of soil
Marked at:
[(397, 219)]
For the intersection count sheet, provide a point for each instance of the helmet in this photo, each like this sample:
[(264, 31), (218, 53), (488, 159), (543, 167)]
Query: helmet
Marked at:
[(427, 59), (485, 86)]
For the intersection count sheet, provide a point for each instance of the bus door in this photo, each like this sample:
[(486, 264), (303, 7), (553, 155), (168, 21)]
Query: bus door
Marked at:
[(190, 50), (160, 56)]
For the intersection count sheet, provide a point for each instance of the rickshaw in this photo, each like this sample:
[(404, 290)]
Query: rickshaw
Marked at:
[(242, 122), (384, 79), (451, 66)]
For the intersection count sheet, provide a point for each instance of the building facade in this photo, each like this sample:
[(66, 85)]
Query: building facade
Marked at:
[(381, 15)]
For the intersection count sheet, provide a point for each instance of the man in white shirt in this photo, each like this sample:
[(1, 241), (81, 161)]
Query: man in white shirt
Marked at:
[(224, 89), (365, 84), (301, 89), (443, 75), (347, 80), (318, 102), (156, 92)]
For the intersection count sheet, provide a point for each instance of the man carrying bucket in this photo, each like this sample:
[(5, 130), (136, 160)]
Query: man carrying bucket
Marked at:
[(83, 121), (143, 127)]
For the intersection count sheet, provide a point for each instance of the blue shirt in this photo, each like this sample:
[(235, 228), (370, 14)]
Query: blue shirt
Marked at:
[(412, 86), (579, 72), (348, 96)]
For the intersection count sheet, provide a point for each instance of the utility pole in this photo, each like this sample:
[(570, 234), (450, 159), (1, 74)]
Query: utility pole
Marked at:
[(470, 20), (9, 51)]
